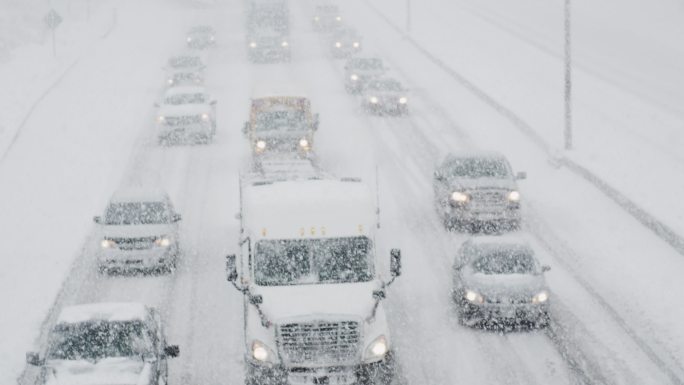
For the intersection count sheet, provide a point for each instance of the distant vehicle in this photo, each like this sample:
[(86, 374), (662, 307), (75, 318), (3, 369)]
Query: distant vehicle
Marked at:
[(313, 284), (281, 124), (268, 14), (201, 36), (106, 343), (185, 69), (266, 45), (186, 113), (385, 96), (345, 42), (497, 280), (359, 71), (477, 191), (327, 18), (138, 231)]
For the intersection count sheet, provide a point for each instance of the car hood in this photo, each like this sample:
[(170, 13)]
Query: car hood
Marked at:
[(281, 135), (282, 303), (184, 109), (505, 285), (384, 94), (366, 73), (482, 183), (136, 231), (108, 371)]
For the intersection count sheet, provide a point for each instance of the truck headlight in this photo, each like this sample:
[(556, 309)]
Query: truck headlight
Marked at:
[(514, 196), (285, 44), (377, 349), (541, 297), (356, 44), (373, 100), (338, 44), (459, 197), (107, 244), (260, 145), (261, 352), (403, 100), (253, 44), (354, 77), (473, 297), (303, 143), (162, 242), (205, 117)]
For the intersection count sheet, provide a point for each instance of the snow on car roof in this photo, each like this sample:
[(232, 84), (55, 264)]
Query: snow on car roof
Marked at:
[(475, 154), (105, 311), (308, 209), (139, 194), (185, 90)]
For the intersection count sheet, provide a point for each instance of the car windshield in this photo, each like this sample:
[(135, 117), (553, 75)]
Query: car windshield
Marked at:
[(195, 98), (389, 85), (327, 10), (366, 64), (313, 261), (285, 120), (137, 213), (185, 62), (502, 260), (476, 168), (94, 340)]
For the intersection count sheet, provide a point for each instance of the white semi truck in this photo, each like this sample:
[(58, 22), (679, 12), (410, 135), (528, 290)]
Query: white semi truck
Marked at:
[(313, 284)]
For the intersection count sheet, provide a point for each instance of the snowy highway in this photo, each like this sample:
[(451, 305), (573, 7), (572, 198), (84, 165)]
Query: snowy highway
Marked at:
[(615, 284)]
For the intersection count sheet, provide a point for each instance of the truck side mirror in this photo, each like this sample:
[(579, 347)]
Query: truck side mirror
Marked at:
[(521, 175), (256, 299), (97, 219), (231, 268), (395, 262), (171, 351), (33, 358), (245, 128)]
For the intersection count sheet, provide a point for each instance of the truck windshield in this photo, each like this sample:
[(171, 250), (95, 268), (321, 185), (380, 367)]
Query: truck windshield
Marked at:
[(313, 261), (286, 120), (94, 340)]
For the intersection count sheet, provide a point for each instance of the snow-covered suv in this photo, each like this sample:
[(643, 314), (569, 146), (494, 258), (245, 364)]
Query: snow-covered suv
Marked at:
[(186, 113), (105, 343)]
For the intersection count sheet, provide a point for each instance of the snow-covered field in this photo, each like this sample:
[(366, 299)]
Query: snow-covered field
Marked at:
[(615, 284)]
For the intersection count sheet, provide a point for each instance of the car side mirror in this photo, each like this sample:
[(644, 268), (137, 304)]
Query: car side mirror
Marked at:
[(231, 268), (33, 358), (176, 217), (97, 219), (212, 103), (521, 175), (245, 128), (395, 262), (545, 268), (256, 299), (438, 176), (171, 351)]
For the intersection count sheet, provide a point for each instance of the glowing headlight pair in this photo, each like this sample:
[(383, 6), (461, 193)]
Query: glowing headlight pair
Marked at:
[(473, 297), (107, 244), (541, 297), (459, 197), (514, 196), (162, 242)]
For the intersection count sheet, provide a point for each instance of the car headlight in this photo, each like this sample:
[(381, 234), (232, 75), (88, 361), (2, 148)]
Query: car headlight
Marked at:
[(541, 297), (514, 196), (162, 242), (316, 18), (356, 44), (354, 77), (189, 40), (377, 349), (260, 145), (473, 297), (253, 44), (170, 81), (285, 44), (161, 118), (373, 99), (205, 117), (107, 244), (338, 44), (459, 197), (303, 143), (261, 352), (338, 18), (212, 38), (403, 100)]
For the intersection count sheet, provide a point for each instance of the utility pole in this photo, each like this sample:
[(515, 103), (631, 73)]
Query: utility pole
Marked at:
[(408, 16), (567, 133)]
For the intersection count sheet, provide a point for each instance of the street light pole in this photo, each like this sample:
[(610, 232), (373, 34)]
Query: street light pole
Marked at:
[(567, 133)]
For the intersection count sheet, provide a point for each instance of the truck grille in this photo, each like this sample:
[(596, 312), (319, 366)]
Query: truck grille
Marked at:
[(320, 342), (134, 243), (182, 120), (488, 200)]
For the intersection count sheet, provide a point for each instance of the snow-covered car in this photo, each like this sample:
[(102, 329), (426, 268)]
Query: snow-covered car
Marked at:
[(185, 69), (138, 231), (268, 45), (186, 113), (497, 280), (281, 124), (201, 36), (178, 78), (384, 96), (190, 61), (358, 71), (104, 344), (327, 17), (313, 284), (345, 42), (476, 191)]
